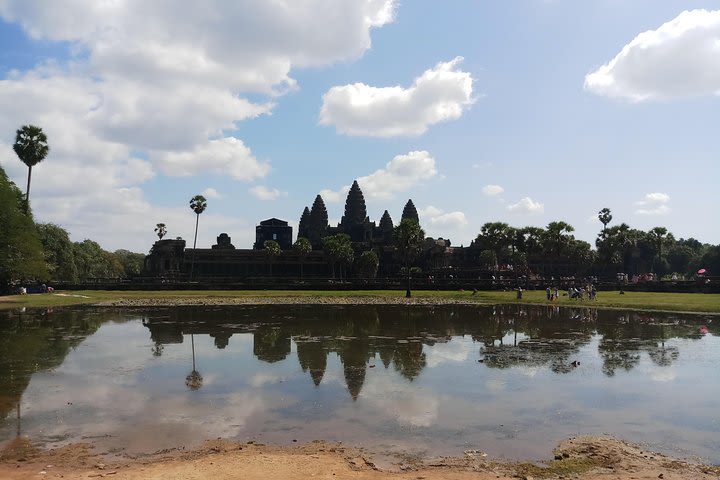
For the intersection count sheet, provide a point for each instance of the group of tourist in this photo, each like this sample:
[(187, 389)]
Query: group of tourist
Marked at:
[(588, 291)]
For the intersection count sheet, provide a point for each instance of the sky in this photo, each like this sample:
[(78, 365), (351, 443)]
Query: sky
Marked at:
[(524, 112)]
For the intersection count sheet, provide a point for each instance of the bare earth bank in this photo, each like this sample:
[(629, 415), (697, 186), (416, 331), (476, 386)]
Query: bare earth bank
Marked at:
[(585, 458)]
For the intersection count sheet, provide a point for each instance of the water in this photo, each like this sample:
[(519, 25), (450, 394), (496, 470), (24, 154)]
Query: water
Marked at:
[(510, 381)]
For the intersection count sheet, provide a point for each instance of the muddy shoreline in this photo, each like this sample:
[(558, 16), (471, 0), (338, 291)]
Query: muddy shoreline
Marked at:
[(583, 458)]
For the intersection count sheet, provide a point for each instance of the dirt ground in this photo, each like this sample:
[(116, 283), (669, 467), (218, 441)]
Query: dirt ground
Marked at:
[(587, 458)]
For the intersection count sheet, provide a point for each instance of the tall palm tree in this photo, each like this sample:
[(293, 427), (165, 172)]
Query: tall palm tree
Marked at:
[(198, 204), (272, 251), (32, 148), (557, 234), (161, 230), (194, 380), (408, 238), (659, 237), (605, 217), (303, 248)]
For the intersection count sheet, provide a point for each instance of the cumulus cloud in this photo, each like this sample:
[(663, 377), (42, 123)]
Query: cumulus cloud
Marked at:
[(655, 203), (680, 58), (227, 155), (264, 193), (527, 205), (438, 223), (211, 193), (399, 175), (440, 94), (152, 88), (492, 190)]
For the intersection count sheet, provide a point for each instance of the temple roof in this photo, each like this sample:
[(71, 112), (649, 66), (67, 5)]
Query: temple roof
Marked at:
[(273, 222)]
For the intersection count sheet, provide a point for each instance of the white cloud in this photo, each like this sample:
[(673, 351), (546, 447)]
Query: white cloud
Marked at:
[(440, 94), (429, 211), (400, 174), (492, 190), (264, 193), (211, 193), (438, 223), (527, 205), (152, 88), (653, 204), (223, 156), (449, 219), (681, 58), (334, 196)]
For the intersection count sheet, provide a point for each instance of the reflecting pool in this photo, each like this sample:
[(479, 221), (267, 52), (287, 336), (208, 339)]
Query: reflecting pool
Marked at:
[(511, 381)]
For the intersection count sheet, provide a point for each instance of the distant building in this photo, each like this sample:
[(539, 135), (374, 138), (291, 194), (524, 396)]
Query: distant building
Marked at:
[(273, 229), (223, 262)]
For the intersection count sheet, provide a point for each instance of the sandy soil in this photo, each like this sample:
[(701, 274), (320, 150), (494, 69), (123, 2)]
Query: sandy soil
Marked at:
[(587, 458)]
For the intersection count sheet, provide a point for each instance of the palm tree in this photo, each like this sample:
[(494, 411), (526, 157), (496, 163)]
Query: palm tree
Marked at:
[(303, 247), (272, 251), (557, 234), (161, 230), (194, 380), (198, 204), (32, 148), (659, 237), (409, 238), (605, 217)]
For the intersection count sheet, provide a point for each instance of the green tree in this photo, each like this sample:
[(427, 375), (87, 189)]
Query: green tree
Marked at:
[(339, 251), (408, 238), (32, 148), (556, 236), (496, 236), (368, 263), (711, 259), (605, 217), (93, 262), (198, 204), (303, 247), (59, 253), (161, 230), (21, 252), (131, 262), (272, 251), (659, 237)]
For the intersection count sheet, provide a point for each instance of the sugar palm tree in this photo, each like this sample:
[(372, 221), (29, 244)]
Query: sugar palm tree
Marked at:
[(161, 230), (408, 238), (303, 248), (198, 204), (32, 148), (272, 251), (194, 380), (605, 217)]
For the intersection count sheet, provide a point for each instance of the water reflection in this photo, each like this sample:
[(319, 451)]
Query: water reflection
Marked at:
[(508, 336), (508, 377)]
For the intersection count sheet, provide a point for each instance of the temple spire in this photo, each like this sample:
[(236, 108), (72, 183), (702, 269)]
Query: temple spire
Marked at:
[(410, 212), (304, 225), (318, 222), (355, 211)]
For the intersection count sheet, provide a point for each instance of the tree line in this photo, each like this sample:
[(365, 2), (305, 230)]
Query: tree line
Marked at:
[(43, 252), (619, 248)]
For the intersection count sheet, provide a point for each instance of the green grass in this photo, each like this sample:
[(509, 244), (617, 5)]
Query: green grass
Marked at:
[(686, 302)]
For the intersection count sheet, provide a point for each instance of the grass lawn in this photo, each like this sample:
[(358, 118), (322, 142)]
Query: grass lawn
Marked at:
[(686, 302)]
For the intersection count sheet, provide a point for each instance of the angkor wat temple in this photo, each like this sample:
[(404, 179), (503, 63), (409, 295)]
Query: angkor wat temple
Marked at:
[(170, 259)]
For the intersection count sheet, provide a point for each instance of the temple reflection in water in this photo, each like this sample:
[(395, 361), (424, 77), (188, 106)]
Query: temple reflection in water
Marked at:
[(365, 337)]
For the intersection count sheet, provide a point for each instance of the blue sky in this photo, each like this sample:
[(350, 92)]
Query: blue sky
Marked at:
[(526, 112)]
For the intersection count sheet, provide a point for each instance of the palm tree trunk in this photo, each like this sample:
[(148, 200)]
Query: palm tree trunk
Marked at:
[(192, 263), (27, 191), (192, 342)]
